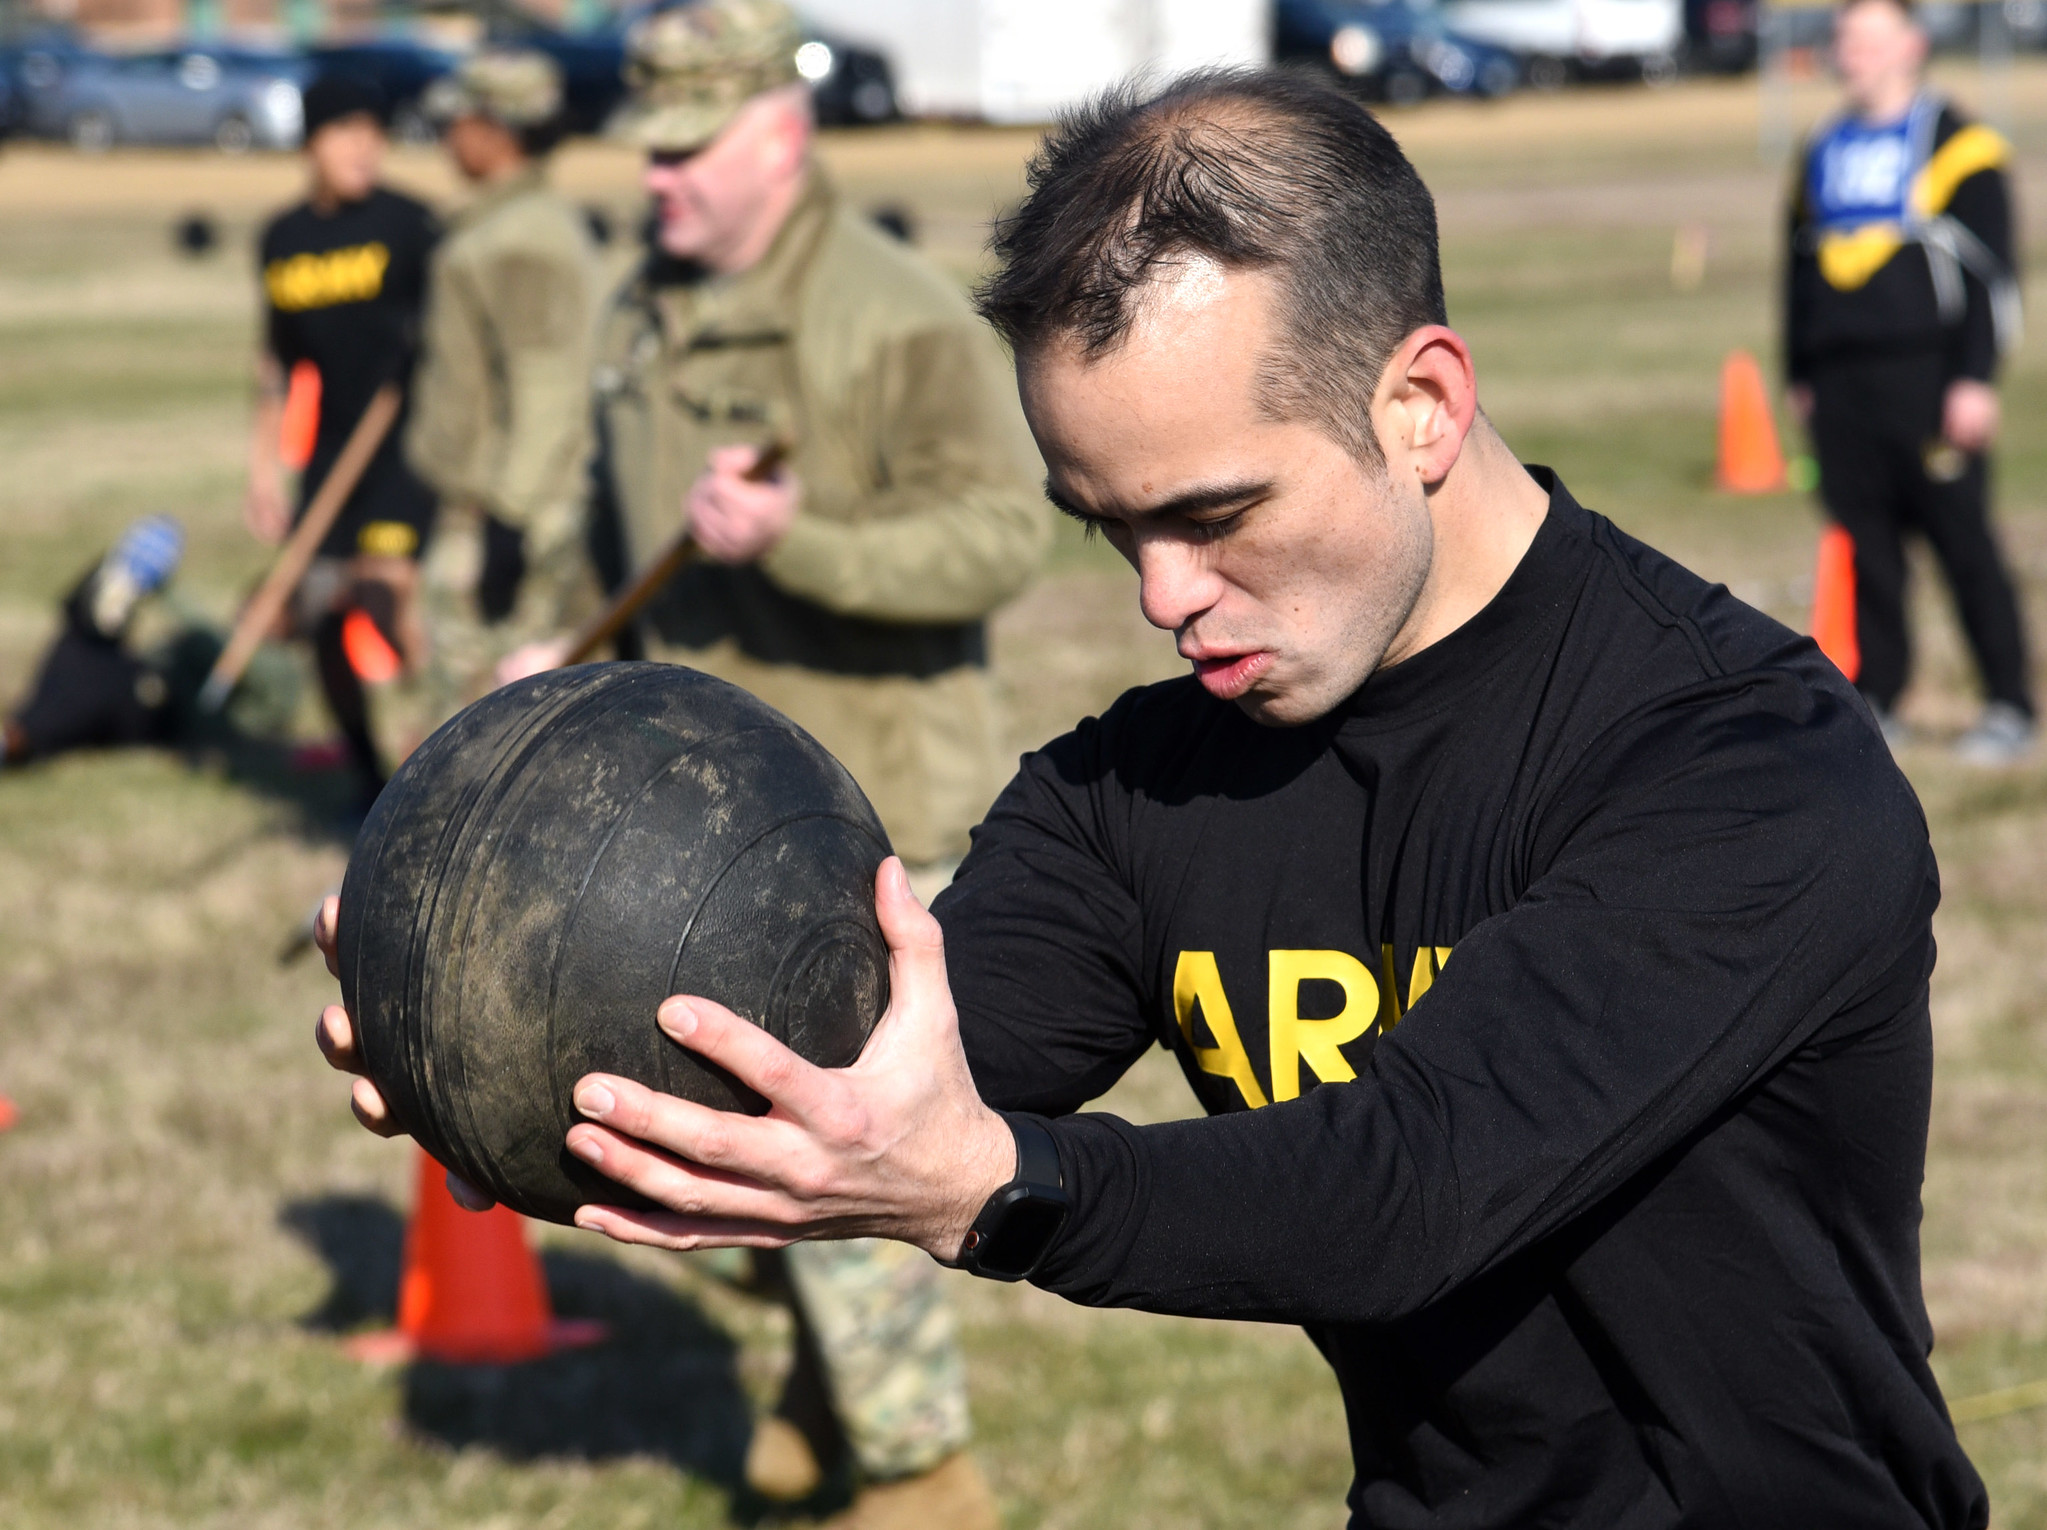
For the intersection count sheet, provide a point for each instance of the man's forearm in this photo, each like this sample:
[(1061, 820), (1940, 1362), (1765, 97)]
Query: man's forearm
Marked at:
[(951, 558)]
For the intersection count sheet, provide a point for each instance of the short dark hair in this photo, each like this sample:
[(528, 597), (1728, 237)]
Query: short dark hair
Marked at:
[(331, 97), (1260, 169)]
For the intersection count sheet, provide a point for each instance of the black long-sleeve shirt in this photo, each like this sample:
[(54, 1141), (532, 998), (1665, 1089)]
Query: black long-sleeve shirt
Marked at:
[(1894, 310), (1596, 942), (345, 290)]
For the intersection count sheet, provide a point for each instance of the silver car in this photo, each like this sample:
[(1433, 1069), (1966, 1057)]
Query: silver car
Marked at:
[(234, 98)]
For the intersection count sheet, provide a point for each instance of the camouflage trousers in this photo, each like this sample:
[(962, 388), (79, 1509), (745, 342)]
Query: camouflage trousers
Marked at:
[(463, 648), (886, 1335), (890, 1349)]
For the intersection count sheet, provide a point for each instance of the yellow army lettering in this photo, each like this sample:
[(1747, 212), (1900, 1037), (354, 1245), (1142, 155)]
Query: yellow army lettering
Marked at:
[(1294, 1040), (1291, 1040), (351, 275), (1195, 980), (1428, 962)]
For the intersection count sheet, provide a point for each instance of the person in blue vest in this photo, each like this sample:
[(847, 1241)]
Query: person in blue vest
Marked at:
[(1902, 299)]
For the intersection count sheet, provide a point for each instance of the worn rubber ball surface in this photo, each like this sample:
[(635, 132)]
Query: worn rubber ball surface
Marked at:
[(564, 855)]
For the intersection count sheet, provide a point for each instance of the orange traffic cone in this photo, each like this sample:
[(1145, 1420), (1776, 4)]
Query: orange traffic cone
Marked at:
[(299, 425), (472, 1292), (1750, 461), (1833, 601), (368, 651), (7, 1116)]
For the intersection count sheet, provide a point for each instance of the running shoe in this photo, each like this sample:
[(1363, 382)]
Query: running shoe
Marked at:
[(2003, 736)]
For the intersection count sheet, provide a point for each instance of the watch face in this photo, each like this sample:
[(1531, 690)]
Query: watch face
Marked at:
[(1026, 1230)]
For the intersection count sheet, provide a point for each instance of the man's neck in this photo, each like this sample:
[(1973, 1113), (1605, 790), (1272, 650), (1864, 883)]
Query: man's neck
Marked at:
[(1891, 103), (326, 201), (497, 172), (751, 249), (1484, 514)]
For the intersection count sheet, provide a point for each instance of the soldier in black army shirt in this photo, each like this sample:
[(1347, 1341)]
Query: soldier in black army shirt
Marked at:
[(1546, 932), (344, 282)]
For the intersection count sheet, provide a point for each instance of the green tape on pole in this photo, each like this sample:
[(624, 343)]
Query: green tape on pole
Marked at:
[(1971, 1410)]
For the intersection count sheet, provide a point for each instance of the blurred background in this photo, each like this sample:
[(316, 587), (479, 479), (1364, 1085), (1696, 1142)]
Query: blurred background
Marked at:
[(189, 1219)]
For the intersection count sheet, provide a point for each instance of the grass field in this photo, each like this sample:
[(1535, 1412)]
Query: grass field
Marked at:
[(188, 1216)]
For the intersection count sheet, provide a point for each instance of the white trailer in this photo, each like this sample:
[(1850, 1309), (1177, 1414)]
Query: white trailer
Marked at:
[(1025, 60), (1597, 33)]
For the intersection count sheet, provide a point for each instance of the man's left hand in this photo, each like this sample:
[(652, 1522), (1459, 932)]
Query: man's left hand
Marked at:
[(733, 518), (1969, 415), (897, 1146)]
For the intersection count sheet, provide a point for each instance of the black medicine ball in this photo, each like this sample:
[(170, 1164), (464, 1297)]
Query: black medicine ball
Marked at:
[(561, 857)]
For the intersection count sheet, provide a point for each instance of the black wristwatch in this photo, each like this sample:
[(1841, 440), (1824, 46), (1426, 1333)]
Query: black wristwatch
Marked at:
[(1021, 1219)]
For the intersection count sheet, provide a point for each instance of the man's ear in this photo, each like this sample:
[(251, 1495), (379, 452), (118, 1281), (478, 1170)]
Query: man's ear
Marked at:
[(795, 125), (1428, 397)]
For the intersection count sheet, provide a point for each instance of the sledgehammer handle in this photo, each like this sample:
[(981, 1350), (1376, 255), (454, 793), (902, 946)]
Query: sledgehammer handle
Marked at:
[(290, 567), (608, 623)]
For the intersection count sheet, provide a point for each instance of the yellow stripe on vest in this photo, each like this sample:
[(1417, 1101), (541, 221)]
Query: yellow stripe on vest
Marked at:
[(1847, 261), (1974, 148)]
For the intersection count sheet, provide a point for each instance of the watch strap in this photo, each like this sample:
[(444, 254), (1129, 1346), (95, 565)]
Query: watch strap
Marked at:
[(1024, 1216), (1037, 1155)]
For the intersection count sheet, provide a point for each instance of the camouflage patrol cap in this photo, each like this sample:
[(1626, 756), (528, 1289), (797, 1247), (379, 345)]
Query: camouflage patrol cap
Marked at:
[(692, 68), (517, 87)]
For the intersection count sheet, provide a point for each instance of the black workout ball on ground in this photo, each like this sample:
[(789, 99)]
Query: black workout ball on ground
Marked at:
[(195, 234), (560, 858), (897, 222)]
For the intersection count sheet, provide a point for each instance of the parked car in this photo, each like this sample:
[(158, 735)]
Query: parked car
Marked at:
[(234, 98), (33, 66), (1560, 39), (849, 84), (1396, 50), (1720, 35), (400, 67)]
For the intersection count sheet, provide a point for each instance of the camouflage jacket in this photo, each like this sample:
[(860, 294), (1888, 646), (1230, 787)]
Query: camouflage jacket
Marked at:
[(500, 419), (921, 506)]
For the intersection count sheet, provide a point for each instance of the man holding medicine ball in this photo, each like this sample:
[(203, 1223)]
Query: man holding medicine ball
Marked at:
[(1546, 932)]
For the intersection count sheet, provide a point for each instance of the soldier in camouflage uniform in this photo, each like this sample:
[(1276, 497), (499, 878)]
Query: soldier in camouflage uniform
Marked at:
[(500, 423), (850, 589)]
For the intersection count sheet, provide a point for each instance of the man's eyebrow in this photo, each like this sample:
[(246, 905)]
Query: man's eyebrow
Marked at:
[(1191, 502)]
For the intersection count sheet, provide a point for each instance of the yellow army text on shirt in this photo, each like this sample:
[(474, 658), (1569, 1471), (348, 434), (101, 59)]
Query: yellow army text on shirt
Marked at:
[(500, 421), (921, 507)]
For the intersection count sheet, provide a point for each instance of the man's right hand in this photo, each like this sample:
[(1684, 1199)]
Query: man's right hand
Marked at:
[(530, 659), (266, 512)]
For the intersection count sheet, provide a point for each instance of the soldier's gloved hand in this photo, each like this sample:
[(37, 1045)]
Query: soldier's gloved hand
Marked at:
[(530, 659), (734, 519), (336, 1035)]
